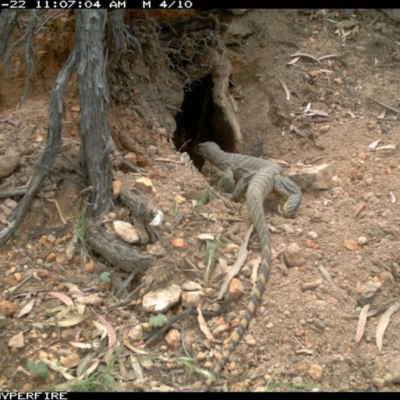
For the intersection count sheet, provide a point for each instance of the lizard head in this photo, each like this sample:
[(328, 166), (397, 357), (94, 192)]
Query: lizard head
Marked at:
[(206, 149)]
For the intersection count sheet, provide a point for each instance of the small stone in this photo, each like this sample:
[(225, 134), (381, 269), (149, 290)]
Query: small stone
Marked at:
[(324, 128), (362, 240), (131, 157), (142, 161), (293, 255), (90, 267), (318, 177), (51, 257), (51, 238), (10, 203), (68, 334), (236, 289), (70, 361), (190, 285), (173, 338), (156, 250), (145, 185), (249, 339), (192, 299), (179, 199), (287, 228), (152, 149), (220, 329), (394, 370), (315, 372), (312, 235), (7, 308), (116, 188), (179, 244), (369, 181), (351, 244), (9, 162), (161, 300), (18, 276), (378, 382), (27, 387), (297, 380), (126, 232)]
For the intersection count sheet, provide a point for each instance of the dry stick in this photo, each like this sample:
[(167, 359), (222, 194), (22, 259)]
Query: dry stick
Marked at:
[(241, 258), (395, 110), (176, 318), (306, 55), (7, 293)]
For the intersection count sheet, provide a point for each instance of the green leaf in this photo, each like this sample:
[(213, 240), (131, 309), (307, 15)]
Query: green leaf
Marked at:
[(105, 277), (157, 321), (39, 369)]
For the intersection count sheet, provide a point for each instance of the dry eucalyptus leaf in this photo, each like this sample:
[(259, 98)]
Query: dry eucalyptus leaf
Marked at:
[(374, 144), (204, 327), (112, 337), (71, 321), (101, 328), (26, 309), (383, 324), (205, 236), (362, 320), (62, 297)]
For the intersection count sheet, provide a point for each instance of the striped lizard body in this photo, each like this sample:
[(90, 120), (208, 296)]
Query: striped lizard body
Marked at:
[(260, 177)]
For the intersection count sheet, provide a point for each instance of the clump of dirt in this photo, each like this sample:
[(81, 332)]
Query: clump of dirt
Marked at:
[(313, 97)]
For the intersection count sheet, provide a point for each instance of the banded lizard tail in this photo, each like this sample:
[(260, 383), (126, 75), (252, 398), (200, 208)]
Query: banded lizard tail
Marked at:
[(260, 177)]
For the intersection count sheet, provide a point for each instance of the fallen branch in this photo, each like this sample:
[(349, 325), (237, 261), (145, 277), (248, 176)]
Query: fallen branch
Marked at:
[(395, 110)]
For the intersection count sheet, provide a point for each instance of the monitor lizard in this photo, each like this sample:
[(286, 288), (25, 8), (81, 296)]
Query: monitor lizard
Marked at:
[(260, 177)]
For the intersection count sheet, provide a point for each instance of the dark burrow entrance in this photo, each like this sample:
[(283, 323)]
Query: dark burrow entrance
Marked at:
[(197, 121)]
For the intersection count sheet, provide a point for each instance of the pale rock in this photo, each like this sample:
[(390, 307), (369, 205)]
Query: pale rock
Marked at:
[(131, 157), (362, 240), (116, 188), (190, 285), (152, 149), (9, 162), (220, 329), (179, 199), (156, 250), (315, 372), (126, 232), (162, 300), (249, 339), (316, 177), (145, 185), (312, 235), (136, 333), (394, 370), (293, 255), (173, 338), (192, 299), (10, 203), (236, 289), (287, 228), (378, 382)]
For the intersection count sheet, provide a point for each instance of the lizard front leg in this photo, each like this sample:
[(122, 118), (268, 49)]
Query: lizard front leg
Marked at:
[(241, 186)]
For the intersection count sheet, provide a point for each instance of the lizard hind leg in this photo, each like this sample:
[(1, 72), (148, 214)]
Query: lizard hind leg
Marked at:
[(289, 191)]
